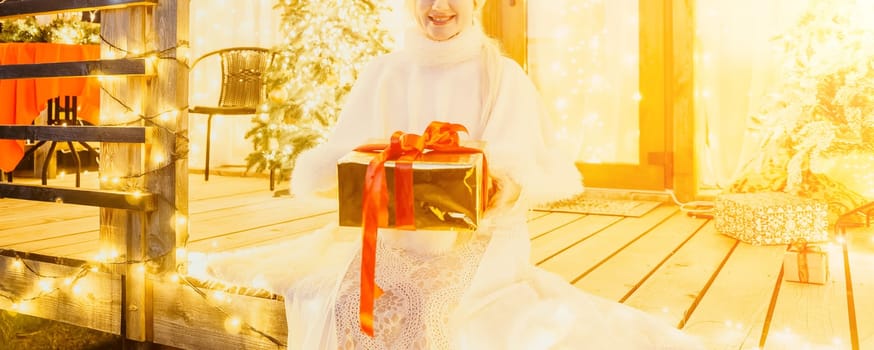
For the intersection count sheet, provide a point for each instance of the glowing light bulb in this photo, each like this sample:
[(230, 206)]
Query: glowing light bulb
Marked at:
[(260, 283), (24, 306), (561, 104), (181, 254), (233, 325), (46, 285)]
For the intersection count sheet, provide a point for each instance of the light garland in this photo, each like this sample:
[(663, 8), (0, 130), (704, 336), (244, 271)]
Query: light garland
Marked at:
[(817, 133), (325, 45), (74, 283), (63, 29)]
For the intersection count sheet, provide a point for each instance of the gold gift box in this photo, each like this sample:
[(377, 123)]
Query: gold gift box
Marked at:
[(771, 218), (806, 265), (447, 190)]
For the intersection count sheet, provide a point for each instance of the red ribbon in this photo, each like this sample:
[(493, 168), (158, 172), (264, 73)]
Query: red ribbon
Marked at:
[(404, 149), (803, 249)]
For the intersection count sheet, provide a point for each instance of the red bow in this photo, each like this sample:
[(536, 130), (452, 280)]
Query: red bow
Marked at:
[(403, 149)]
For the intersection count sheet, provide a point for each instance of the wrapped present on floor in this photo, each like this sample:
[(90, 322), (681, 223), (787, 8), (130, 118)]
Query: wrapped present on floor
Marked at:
[(771, 218), (445, 190), (806, 263)]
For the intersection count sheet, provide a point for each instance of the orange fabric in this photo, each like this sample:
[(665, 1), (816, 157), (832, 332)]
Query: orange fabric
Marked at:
[(21, 100), (404, 149)]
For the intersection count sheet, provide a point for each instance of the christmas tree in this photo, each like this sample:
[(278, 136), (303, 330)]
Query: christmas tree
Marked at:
[(820, 123), (326, 44)]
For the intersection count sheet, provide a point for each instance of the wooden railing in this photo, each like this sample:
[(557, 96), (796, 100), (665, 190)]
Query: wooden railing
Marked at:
[(143, 103), (42, 7)]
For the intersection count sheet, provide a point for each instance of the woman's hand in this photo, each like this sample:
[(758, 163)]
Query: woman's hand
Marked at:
[(502, 192)]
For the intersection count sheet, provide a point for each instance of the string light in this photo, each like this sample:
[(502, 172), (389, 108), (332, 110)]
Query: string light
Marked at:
[(46, 285), (181, 254), (220, 296), (260, 283), (575, 72), (75, 283), (77, 290), (310, 75), (233, 325), (65, 28)]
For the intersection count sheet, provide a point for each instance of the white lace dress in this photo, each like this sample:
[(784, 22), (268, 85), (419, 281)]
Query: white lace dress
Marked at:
[(421, 290), (443, 290)]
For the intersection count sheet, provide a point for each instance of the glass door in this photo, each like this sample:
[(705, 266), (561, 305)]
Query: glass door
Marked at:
[(601, 69)]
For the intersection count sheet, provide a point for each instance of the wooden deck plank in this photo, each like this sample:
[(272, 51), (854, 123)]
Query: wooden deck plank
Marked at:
[(670, 293), (55, 244), (732, 313), (262, 235), (222, 186), (82, 250), (12, 236), (555, 241), (633, 264), (45, 213), (549, 222), (577, 260), (861, 261), (533, 215), (810, 315), (229, 200), (17, 204), (224, 221)]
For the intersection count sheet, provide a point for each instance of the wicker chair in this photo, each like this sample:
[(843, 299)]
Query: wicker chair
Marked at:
[(242, 87)]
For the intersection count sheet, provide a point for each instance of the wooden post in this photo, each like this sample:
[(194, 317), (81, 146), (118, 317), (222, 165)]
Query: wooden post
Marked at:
[(147, 239), (168, 152), (122, 231), (681, 78)]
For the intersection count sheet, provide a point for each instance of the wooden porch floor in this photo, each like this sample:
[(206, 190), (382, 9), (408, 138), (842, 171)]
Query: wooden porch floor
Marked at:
[(665, 263)]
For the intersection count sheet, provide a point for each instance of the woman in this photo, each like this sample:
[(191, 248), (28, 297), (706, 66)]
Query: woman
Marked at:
[(464, 290)]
